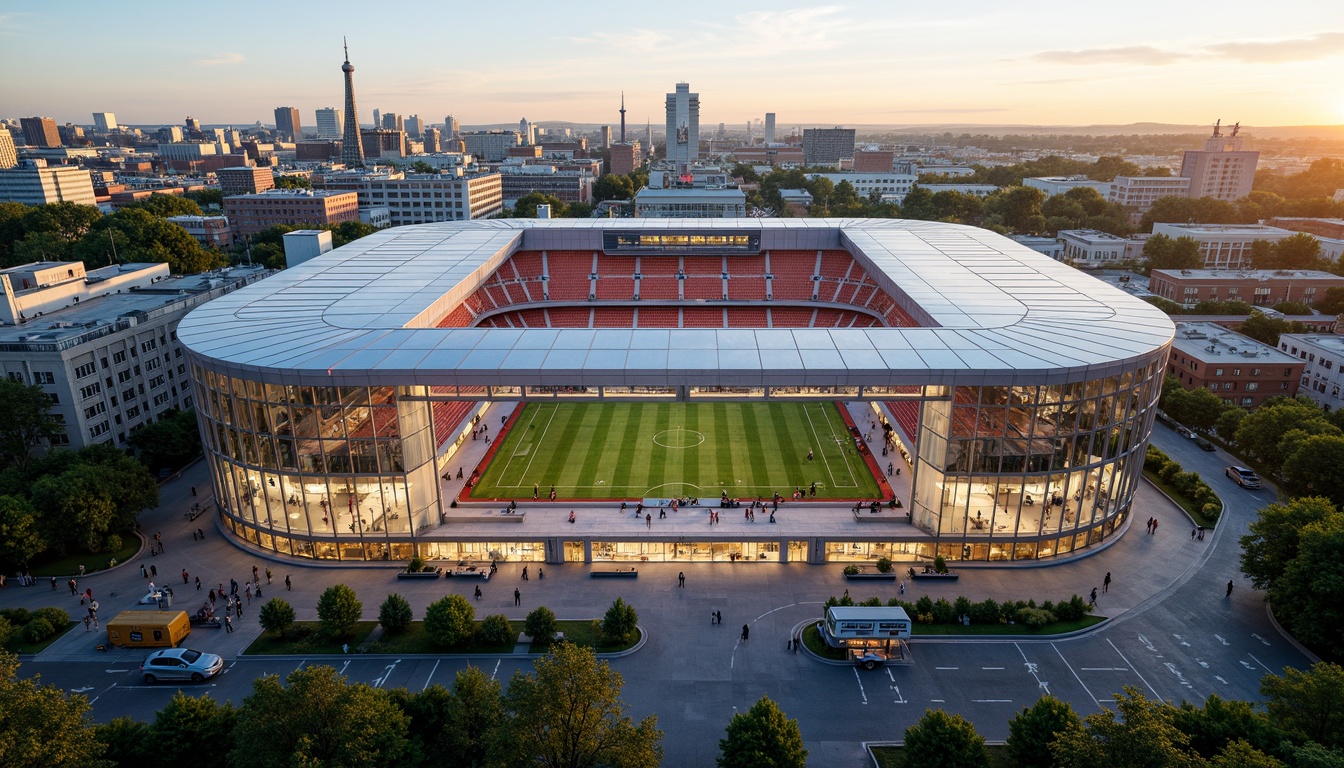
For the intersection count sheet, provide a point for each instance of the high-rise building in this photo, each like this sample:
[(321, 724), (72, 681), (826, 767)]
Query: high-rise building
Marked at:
[(769, 127), (490, 146), (287, 123), (33, 183), (393, 122), (1222, 170), (528, 131), (825, 146), (192, 124), (352, 149), (622, 117), (451, 127), (433, 140), (40, 132), (8, 156), (683, 125), (105, 122), (626, 157), (415, 127), (605, 134), (377, 118), (329, 123)]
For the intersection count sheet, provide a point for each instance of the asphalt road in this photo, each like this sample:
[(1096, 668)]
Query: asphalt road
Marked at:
[(1180, 639)]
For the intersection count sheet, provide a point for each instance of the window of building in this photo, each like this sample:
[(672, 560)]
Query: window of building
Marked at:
[(86, 392), (94, 410), (119, 356), (16, 376), (101, 428), (84, 371), (1252, 386)]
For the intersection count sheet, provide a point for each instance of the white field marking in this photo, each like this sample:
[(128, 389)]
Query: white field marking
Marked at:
[(1032, 669), (947, 667), (85, 689), (1261, 639), (844, 440), (1147, 644), (387, 671), (116, 671), (1105, 669), (812, 425), (343, 666), (938, 701), (1132, 669), (995, 668), (540, 439), (1221, 640), (496, 669), (228, 668), (1262, 665), (1247, 664), (1181, 640), (858, 680), (992, 701), (1202, 663), (431, 674), (1219, 679), (1180, 677), (1090, 695)]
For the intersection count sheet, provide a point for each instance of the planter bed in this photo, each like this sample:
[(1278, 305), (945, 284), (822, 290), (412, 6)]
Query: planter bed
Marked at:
[(861, 576), (917, 575), (616, 573), (434, 574)]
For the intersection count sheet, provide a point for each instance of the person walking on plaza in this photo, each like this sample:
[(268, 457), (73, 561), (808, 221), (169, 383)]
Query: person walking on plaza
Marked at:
[(648, 521), (681, 578), (268, 575), (524, 573), (1093, 600), (718, 616), (228, 624), (517, 596), (144, 574), (1229, 588), (746, 632), (288, 585), (1106, 583), (185, 577), (74, 587), (248, 591), (478, 592)]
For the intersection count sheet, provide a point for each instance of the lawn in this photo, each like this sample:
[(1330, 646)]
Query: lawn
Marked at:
[(68, 565), (304, 637), (813, 642), (1187, 503), (16, 643), (664, 450), (894, 757)]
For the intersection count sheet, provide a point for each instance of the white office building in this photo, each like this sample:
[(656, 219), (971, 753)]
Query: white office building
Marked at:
[(105, 122), (490, 146), (1058, 185), (683, 125), (696, 203), (32, 182), (426, 198), (1137, 193), (330, 123), (1091, 249), (1323, 376), (884, 183), (1224, 246)]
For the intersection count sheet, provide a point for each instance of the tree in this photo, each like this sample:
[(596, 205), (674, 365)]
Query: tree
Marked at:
[(541, 624), (762, 737), (20, 535), (1139, 735), (42, 246), (1220, 722), (276, 616), (1308, 703), (140, 236), (395, 614), (42, 727), (420, 166), (1164, 252), (292, 182), (1204, 210), (612, 187), (1240, 754), (569, 714), (1274, 538), (940, 740), (69, 220), (620, 622), (76, 510), (450, 620), (1267, 329), (496, 630), (187, 723), (1262, 432), (317, 719), (129, 742), (1332, 303), (1019, 208), (347, 232), (164, 205), (526, 207), (339, 610), (578, 211), (25, 421), (1309, 597), (1313, 468), (206, 197), (171, 442), (1033, 730)]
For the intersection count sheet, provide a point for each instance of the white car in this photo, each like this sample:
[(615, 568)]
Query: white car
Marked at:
[(180, 664)]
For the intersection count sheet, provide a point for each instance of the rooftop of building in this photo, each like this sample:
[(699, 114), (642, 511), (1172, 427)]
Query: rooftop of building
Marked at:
[(1328, 341), (1210, 342), (1225, 229), (1091, 236), (1246, 274), (271, 194)]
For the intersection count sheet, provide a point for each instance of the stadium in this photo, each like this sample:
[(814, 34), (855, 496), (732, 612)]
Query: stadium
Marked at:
[(454, 390)]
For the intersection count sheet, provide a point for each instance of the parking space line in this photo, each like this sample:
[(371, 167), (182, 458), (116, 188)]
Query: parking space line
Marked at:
[(431, 674), (1090, 695), (992, 701), (859, 680), (1261, 663), (1032, 668), (947, 668), (1131, 666), (998, 668)]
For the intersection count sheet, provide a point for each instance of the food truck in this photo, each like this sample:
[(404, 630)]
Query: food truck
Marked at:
[(870, 635), (147, 629)]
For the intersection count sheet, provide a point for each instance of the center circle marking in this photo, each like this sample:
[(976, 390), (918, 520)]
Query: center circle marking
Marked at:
[(678, 438)]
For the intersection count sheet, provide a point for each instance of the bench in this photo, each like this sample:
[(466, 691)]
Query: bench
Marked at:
[(616, 573), (468, 573)]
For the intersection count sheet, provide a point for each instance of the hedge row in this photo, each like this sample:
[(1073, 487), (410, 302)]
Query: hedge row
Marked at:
[(926, 610)]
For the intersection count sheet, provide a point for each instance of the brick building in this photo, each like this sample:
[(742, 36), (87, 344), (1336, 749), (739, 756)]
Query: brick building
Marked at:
[(245, 180), (1236, 368), (1261, 287), (251, 214)]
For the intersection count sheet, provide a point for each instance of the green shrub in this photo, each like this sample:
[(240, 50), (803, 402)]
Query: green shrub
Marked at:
[(872, 602), (884, 565), (962, 605), (450, 621), (1035, 617), (54, 616), (850, 570), (395, 614), (1154, 459), (37, 630), (541, 625), (16, 616), (276, 616), (1211, 511), (1072, 609), (339, 610), (924, 605), (1169, 471), (985, 612), (416, 565), (112, 543), (943, 612), (6, 630), (496, 630), (939, 565)]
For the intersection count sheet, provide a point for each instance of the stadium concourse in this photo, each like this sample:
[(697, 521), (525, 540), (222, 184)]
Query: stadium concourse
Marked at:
[(338, 398)]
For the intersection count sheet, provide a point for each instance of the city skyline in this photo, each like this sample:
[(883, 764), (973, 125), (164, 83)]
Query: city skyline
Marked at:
[(844, 63)]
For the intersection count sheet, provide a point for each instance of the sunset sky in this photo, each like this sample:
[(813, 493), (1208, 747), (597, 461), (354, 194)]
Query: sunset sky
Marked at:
[(841, 63)]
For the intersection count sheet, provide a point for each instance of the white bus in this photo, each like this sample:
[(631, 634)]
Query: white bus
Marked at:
[(870, 635)]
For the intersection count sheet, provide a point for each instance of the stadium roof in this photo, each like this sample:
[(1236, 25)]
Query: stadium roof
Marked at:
[(993, 311)]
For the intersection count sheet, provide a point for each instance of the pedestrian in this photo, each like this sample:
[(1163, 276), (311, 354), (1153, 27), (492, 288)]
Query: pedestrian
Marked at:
[(53, 583), (212, 598), (478, 592), (1106, 583), (902, 587), (74, 586), (87, 620), (517, 596), (524, 573), (1154, 526), (254, 573), (809, 455), (228, 624), (93, 611), (681, 578), (258, 591), (248, 592), (144, 573), (153, 570), (288, 586), (81, 570), (746, 631), (648, 521), (891, 468), (193, 536), (796, 642), (238, 608), (233, 587), (1201, 533), (788, 646), (198, 583), (268, 575), (1229, 588), (719, 616), (1093, 600), (1193, 533), (1150, 525), (185, 577), (95, 622), (193, 490), (540, 573), (201, 532)]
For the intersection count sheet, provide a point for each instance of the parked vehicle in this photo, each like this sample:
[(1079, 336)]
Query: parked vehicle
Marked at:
[(1243, 477), (180, 664), (1205, 445)]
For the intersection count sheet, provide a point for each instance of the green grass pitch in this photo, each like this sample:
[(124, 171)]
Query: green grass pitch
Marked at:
[(662, 450)]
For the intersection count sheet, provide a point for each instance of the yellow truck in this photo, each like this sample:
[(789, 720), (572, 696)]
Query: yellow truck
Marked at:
[(148, 629)]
